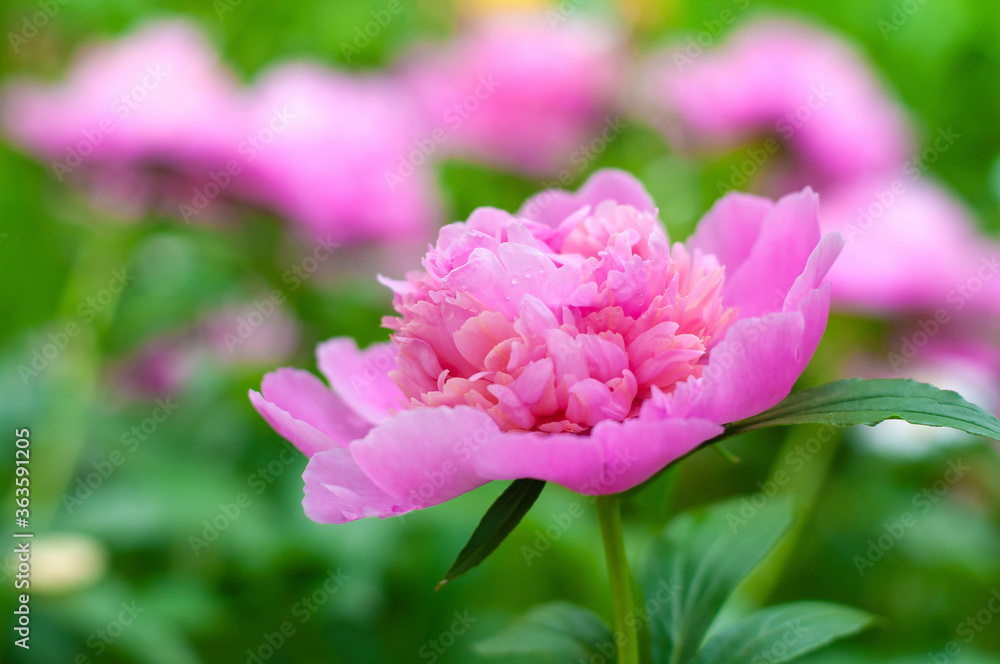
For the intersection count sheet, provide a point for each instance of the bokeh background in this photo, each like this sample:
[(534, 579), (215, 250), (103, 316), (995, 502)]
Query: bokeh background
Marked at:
[(150, 399)]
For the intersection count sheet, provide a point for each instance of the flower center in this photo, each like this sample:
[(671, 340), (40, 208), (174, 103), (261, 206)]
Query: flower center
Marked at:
[(556, 329)]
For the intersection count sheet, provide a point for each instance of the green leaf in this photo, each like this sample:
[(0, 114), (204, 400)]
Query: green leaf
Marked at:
[(856, 401), (498, 522), (560, 629), (693, 567), (782, 633)]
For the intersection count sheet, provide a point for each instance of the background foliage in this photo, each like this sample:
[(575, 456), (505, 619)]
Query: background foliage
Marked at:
[(942, 59)]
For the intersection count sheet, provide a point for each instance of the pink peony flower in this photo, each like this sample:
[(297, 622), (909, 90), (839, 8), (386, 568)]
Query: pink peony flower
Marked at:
[(910, 246), (570, 342), (520, 91), (786, 80), (137, 119), (155, 121), (322, 150), (237, 335)]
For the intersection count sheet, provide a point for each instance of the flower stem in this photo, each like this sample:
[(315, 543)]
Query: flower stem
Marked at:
[(610, 518)]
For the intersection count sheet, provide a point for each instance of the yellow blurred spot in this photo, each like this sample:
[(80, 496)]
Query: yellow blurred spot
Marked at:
[(486, 7), (648, 14), (65, 562)]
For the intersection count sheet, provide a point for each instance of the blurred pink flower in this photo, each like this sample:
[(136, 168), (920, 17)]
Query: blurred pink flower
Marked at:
[(909, 246), (136, 119), (322, 149), (155, 121), (519, 91), (159, 368), (570, 342), (782, 79), (257, 334)]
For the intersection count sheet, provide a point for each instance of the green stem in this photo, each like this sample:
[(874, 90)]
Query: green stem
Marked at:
[(610, 518)]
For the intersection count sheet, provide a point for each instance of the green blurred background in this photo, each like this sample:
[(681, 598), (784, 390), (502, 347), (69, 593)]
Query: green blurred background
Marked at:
[(129, 543)]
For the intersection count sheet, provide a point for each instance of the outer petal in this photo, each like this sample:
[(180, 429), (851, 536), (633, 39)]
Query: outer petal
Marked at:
[(729, 230), (338, 491), (615, 457), (361, 378), (304, 411), (424, 456), (817, 267), (787, 238), (553, 206), (757, 363)]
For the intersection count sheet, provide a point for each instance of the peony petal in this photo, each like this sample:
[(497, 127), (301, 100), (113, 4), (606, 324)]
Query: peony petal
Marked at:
[(615, 457), (757, 363), (551, 207), (564, 458), (485, 279), (424, 456), (729, 230), (337, 491), (637, 449), (817, 267), (361, 378), (304, 411), (787, 238), (481, 334)]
